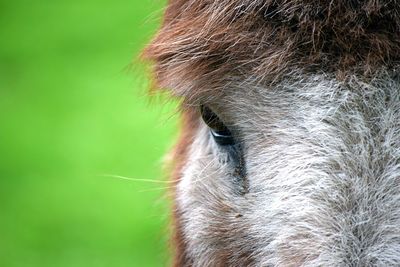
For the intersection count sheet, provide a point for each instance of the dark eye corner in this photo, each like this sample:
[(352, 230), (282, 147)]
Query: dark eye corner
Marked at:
[(221, 134)]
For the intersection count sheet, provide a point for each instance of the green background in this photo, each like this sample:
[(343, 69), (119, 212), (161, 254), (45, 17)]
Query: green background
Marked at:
[(72, 115)]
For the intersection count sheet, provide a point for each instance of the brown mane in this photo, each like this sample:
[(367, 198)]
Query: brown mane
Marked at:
[(201, 41)]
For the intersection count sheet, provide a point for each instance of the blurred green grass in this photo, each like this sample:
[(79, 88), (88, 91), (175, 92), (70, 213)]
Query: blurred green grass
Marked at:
[(69, 113)]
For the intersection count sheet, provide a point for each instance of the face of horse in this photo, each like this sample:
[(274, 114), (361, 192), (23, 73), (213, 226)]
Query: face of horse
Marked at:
[(291, 153), (310, 176)]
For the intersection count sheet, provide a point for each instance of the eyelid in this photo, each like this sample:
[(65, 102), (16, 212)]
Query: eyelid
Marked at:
[(211, 119), (221, 134)]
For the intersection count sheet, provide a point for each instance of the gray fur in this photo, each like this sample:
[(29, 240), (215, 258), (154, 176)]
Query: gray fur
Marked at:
[(322, 161)]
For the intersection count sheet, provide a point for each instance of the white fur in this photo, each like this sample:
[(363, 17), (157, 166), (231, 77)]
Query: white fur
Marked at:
[(322, 161)]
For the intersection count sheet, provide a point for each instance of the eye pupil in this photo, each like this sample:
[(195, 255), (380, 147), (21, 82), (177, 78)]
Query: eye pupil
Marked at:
[(219, 131)]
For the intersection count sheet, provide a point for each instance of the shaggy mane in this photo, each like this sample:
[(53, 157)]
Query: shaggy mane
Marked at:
[(203, 44)]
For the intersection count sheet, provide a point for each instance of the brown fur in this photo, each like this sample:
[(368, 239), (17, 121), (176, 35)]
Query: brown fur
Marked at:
[(206, 42), (189, 124), (203, 44)]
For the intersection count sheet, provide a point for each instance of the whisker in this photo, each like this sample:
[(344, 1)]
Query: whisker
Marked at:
[(137, 179), (157, 189)]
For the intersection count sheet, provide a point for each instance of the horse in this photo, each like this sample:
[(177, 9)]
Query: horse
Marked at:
[(289, 147)]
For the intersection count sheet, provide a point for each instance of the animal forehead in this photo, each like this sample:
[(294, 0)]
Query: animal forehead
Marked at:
[(203, 44), (341, 22), (251, 104), (289, 8)]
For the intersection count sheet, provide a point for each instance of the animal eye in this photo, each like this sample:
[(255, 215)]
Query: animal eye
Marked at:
[(221, 134)]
